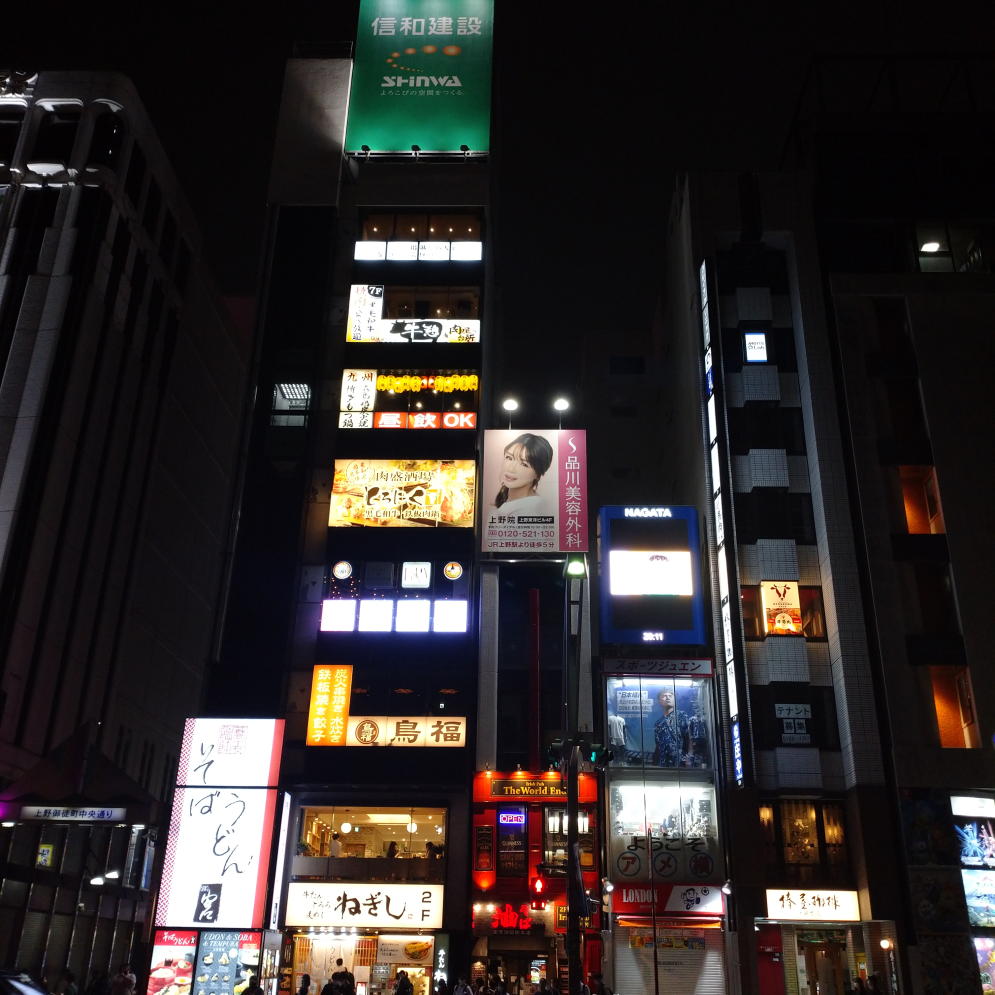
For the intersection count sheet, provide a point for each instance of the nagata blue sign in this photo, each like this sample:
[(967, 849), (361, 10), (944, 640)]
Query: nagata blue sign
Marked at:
[(651, 589)]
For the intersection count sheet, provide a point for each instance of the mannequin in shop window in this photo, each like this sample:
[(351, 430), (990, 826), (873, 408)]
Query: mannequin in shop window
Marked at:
[(672, 733)]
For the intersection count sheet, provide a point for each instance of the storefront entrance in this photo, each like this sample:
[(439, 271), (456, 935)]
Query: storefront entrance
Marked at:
[(826, 969)]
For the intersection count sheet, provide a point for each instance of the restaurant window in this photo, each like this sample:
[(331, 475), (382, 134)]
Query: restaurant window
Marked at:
[(805, 840), (290, 404), (953, 703), (555, 832), (371, 843), (431, 302), (659, 722), (56, 136), (512, 835), (448, 226), (921, 497)]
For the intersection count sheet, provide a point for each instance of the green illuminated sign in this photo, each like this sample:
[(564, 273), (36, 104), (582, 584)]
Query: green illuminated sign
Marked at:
[(422, 76)]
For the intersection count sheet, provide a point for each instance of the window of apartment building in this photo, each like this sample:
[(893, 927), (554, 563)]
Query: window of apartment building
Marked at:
[(932, 593), (626, 366), (805, 840), (759, 427), (943, 247), (953, 703), (107, 140), (921, 497), (290, 405), (766, 513), (371, 843), (11, 119), (804, 615), (56, 135)]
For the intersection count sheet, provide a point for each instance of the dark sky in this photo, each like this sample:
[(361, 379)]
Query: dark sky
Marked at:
[(594, 113)]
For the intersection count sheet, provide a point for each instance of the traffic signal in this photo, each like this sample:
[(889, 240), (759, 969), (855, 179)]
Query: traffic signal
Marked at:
[(598, 754), (538, 887)]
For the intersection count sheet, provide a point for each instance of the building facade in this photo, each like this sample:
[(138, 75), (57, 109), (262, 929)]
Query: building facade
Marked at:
[(120, 417), (817, 309)]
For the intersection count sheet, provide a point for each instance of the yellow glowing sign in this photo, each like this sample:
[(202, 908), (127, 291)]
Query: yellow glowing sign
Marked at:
[(328, 712), (433, 493), (782, 607), (444, 383)]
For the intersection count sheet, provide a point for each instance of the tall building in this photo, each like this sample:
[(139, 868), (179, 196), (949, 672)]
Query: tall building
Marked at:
[(120, 418), (352, 612), (818, 323)]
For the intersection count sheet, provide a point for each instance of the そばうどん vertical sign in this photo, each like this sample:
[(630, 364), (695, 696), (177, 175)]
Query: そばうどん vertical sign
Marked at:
[(421, 76)]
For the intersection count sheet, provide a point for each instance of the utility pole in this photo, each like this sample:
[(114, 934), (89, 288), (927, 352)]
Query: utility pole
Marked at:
[(577, 905)]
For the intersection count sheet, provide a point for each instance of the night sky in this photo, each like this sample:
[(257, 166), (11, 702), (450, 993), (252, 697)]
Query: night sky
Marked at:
[(595, 112)]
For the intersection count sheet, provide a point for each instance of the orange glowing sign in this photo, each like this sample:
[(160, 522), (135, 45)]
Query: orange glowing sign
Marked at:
[(328, 711)]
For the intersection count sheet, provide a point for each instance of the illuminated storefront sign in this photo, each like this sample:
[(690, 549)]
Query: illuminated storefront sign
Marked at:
[(967, 805), (535, 491), (388, 615), (231, 955), (676, 668), (432, 252), (525, 786), (217, 855), (367, 323), (651, 583), (172, 962), (330, 724), (365, 906), (411, 492), (687, 899), (421, 77), (782, 607), (979, 887), (407, 730), (366, 394), (755, 347), (800, 905), (89, 813), (328, 711)]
